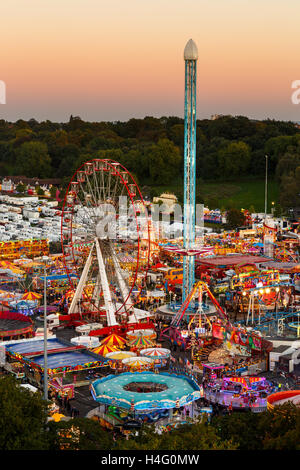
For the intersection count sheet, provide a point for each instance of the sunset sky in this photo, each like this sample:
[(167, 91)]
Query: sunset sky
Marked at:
[(116, 59)]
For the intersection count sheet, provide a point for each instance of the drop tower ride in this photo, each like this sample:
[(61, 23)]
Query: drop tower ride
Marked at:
[(190, 58)]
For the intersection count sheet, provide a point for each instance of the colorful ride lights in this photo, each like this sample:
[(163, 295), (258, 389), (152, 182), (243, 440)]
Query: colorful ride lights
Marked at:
[(261, 291)]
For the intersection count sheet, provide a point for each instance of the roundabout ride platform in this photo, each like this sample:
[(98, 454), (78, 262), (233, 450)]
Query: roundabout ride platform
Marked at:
[(156, 391)]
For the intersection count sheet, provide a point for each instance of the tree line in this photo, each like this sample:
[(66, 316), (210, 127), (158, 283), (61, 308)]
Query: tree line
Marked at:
[(227, 148)]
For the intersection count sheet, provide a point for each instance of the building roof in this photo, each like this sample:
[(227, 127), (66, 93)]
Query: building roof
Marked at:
[(231, 260)]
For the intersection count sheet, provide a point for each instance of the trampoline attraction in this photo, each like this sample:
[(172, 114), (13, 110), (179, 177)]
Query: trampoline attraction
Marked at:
[(144, 391)]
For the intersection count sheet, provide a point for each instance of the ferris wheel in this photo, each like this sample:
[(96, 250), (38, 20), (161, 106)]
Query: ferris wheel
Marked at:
[(105, 241)]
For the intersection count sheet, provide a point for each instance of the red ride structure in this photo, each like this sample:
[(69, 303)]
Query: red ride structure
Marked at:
[(105, 238), (14, 326)]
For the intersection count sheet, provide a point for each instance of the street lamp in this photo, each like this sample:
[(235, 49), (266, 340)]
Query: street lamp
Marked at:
[(273, 208), (266, 187), (45, 259)]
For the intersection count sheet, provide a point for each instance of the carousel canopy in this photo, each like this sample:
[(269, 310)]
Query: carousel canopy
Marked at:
[(114, 340), (131, 335), (120, 355), (156, 352), (141, 342), (104, 349), (137, 361), (31, 296)]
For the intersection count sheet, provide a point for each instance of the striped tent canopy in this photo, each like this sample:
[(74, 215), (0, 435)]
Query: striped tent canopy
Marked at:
[(114, 341), (159, 353), (104, 349), (31, 296), (6, 265), (141, 342), (7, 295), (138, 362), (132, 335)]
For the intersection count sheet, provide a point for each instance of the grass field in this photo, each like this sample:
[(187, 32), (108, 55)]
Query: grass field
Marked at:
[(240, 194)]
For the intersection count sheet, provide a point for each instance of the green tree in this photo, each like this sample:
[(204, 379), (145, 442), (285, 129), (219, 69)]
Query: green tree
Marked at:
[(23, 135), (198, 436), (164, 161), (78, 434), (281, 428), (277, 429), (242, 428), (290, 191), (235, 218), (21, 188), (234, 159), (39, 191), (23, 418), (69, 155), (53, 190), (33, 159)]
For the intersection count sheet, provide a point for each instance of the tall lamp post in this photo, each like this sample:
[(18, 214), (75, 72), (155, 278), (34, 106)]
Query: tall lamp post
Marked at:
[(45, 259), (266, 187)]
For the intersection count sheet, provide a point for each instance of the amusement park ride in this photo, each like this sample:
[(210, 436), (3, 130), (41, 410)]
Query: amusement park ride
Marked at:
[(190, 59), (109, 258), (174, 333)]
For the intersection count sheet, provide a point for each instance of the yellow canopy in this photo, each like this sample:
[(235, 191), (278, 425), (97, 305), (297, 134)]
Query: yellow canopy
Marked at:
[(114, 340), (104, 349), (31, 296), (56, 417)]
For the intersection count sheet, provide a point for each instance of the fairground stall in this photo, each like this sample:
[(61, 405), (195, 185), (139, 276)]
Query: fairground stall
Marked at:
[(71, 363)]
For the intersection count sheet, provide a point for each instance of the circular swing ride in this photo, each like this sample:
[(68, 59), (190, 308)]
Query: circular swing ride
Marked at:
[(105, 243)]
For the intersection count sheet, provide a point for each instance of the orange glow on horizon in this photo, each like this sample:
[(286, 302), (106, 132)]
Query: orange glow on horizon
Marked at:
[(121, 60)]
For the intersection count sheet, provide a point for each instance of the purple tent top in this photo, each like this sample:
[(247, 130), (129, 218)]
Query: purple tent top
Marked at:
[(50, 308)]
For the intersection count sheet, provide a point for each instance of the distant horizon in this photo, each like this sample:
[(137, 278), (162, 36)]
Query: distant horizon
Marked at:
[(147, 116)]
